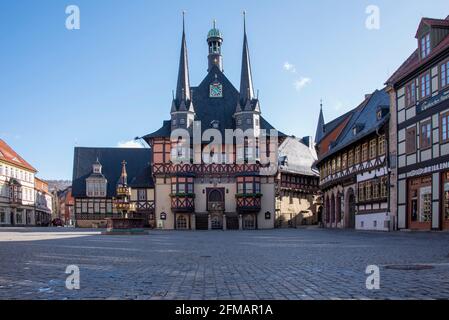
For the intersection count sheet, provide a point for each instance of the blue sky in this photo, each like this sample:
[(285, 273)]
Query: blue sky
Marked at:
[(112, 80)]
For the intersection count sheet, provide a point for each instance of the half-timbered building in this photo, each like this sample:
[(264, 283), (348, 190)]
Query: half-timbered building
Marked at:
[(419, 92), (353, 165), (298, 200), (96, 173)]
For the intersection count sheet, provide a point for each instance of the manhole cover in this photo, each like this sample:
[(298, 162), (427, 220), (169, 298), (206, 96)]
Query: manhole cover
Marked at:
[(409, 267)]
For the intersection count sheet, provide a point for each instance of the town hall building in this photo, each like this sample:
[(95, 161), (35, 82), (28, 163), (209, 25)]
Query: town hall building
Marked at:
[(226, 187)]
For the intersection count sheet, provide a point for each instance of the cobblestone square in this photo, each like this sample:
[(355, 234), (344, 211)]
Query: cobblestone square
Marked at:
[(274, 264)]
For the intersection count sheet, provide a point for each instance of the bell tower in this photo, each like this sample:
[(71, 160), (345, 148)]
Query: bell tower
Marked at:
[(215, 40)]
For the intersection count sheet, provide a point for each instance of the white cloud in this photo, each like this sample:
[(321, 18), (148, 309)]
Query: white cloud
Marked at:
[(301, 83), (289, 67), (129, 144)]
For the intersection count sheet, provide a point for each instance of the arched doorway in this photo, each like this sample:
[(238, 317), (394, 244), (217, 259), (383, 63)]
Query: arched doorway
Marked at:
[(216, 207), (350, 209), (215, 196), (333, 209)]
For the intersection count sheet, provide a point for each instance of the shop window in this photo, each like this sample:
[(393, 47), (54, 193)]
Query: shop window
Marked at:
[(446, 200), (426, 212)]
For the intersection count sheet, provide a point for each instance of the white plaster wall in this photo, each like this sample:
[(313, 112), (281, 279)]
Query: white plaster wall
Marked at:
[(268, 204), (369, 219), (163, 204)]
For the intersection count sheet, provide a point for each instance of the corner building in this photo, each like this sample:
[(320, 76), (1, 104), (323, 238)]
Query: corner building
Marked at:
[(419, 92)]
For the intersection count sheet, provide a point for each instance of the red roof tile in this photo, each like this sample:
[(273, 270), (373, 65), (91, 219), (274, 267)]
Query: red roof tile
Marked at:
[(7, 154)]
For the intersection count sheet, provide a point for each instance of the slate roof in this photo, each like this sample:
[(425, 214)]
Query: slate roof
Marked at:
[(300, 158), (213, 109), (7, 154), (365, 116), (138, 160)]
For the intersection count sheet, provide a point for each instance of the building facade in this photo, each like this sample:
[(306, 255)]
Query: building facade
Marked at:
[(96, 173), (17, 190), (419, 92), (66, 207), (43, 203), (298, 200), (189, 184), (354, 166)]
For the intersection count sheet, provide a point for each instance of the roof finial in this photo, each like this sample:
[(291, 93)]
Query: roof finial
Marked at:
[(183, 20), (321, 104), (244, 21), (214, 23)]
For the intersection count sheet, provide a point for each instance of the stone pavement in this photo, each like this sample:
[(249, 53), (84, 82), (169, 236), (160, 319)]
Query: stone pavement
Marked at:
[(273, 264)]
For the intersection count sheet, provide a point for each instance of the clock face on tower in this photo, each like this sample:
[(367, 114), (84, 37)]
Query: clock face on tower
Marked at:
[(216, 90)]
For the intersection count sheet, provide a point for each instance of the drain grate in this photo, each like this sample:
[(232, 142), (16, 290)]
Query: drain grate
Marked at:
[(205, 257), (409, 267)]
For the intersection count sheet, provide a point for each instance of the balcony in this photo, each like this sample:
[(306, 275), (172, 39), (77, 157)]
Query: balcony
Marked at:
[(249, 203), (184, 202)]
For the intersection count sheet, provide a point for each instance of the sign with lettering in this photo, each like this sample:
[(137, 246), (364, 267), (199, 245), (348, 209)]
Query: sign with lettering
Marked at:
[(432, 101), (429, 169)]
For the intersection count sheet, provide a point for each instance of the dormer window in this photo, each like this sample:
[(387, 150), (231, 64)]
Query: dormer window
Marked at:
[(379, 114), (425, 45), (354, 131)]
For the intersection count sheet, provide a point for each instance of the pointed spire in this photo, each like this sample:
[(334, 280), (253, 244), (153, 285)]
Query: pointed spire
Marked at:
[(320, 126), (123, 181), (183, 86), (246, 80)]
